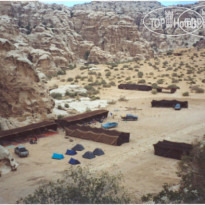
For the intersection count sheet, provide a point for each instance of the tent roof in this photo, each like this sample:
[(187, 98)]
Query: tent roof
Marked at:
[(71, 152), (84, 115), (57, 156), (88, 155), (31, 127), (78, 147), (98, 152), (73, 161)]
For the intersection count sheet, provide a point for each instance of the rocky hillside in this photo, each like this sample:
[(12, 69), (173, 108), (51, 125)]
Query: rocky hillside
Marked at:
[(53, 36), (38, 39), (22, 93)]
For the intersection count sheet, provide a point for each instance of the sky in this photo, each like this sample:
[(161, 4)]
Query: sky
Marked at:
[(72, 3)]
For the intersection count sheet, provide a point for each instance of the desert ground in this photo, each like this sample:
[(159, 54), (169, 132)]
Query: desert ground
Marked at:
[(143, 171)]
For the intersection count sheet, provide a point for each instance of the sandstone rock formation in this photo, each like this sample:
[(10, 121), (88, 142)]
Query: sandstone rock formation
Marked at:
[(7, 162), (38, 40), (22, 94), (53, 36)]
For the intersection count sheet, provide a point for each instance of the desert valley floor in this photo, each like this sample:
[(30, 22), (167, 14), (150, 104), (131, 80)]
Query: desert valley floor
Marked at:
[(142, 170)]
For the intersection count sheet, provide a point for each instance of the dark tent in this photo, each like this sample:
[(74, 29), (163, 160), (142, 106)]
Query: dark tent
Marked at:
[(135, 87), (111, 137), (98, 152), (57, 156), (71, 152), (88, 155), (169, 103), (170, 149), (73, 161), (78, 147)]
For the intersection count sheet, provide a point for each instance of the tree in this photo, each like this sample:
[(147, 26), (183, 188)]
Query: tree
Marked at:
[(80, 186), (192, 183)]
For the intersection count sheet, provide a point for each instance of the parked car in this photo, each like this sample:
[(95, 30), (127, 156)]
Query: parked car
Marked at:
[(177, 106), (129, 117), (110, 125), (21, 151)]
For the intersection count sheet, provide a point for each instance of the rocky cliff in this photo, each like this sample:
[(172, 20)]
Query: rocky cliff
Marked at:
[(38, 39), (53, 36)]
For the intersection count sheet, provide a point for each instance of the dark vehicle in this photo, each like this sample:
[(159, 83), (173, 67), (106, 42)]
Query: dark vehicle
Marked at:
[(177, 106), (129, 117), (21, 151)]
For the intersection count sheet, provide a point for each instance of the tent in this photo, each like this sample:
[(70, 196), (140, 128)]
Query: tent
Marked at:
[(78, 147), (98, 152), (73, 161), (71, 152), (88, 155), (57, 156)]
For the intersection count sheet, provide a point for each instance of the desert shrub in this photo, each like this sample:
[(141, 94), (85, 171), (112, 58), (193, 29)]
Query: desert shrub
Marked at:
[(140, 74), (84, 67), (83, 94), (77, 77), (71, 67), (59, 117), (90, 79), (106, 85), (185, 94), (57, 96), (154, 85), (169, 52), (66, 105), (112, 83), (203, 81), (59, 107), (79, 186), (165, 63), (96, 83), (122, 98), (192, 181), (88, 87), (61, 72), (189, 71), (111, 102), (108, 74), (92, 73), (94, 97), (128, 78), (112, 64), (174, 80), (70, 79), (72, 95), (197, 89), (154, 91), (160, 81), (141, 81), (103, 82), (173, 86), (125, 66)]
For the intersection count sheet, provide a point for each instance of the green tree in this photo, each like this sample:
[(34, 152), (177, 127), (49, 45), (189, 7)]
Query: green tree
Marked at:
[(80, 186)]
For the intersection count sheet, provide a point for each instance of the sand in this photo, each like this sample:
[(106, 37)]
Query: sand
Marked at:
[(143, 171)]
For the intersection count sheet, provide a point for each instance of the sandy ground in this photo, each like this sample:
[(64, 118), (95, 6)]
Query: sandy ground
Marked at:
[(143, 171)]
